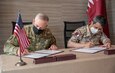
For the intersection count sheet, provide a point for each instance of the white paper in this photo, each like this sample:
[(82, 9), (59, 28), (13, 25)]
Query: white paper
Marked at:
[(49, 51), (36, 55), (90, 50)]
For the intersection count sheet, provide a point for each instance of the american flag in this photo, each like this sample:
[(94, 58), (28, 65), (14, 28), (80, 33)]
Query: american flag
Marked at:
[(98, 7), (20, 33)]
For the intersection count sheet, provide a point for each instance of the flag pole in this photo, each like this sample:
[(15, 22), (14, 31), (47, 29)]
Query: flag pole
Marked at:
[(20, 62)]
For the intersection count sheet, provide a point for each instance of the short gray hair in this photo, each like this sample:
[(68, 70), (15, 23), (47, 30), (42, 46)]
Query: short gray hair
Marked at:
[(42, 16)]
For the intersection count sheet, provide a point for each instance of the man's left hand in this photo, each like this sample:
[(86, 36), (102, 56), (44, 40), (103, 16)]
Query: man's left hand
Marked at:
[(53, 47)]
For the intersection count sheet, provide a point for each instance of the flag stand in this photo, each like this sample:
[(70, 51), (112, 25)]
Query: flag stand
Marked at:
[(21, 62)]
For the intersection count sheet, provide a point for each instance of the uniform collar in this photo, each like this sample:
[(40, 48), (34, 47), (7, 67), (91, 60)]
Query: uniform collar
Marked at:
[(88, 33)]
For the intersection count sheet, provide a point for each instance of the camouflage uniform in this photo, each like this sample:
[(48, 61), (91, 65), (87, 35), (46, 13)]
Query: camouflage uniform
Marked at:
[(83, 35), (38, 42)]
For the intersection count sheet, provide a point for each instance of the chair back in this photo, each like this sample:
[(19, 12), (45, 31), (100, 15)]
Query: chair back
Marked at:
[(69, 27), (14, 23)]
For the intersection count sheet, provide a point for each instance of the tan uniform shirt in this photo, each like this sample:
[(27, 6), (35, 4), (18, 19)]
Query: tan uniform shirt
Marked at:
[(83, 35)]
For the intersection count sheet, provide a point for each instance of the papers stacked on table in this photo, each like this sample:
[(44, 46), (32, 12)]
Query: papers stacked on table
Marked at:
[(90, 50), (35, 55), (50, 52), (42, 53)]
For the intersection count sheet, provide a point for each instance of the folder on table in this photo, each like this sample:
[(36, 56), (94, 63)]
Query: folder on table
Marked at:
[(109, 51), (50, 52), (90, 50), (55, 58)]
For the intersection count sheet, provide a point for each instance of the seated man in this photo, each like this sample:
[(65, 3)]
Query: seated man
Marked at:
[(90, 35), (39, 35)]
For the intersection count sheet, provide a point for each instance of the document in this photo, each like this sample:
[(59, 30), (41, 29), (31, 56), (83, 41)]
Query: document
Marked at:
[(35, 55), (50, 52), (42, 53), (90, 50)]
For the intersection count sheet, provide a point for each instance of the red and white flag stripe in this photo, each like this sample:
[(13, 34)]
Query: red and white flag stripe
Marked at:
[(22, 38)]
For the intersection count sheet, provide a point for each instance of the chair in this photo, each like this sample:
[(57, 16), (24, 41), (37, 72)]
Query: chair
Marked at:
[(69, 27), (14, 23)]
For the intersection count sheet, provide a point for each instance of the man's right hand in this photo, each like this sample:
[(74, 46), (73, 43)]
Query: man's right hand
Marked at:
[(89, 44), (24, 53)]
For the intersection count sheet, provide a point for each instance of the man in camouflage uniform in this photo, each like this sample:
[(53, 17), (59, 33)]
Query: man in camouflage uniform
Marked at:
[(39, 35), (90, 35)]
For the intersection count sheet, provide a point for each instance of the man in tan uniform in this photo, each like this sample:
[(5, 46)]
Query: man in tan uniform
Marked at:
[(39, 35), (90, 35)]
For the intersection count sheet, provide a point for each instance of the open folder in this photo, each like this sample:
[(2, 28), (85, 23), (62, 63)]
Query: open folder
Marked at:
[(90, 50), (42, 53), (35, 55), (50, 52)]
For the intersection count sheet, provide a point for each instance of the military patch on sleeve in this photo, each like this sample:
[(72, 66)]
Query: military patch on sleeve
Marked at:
[(77, 33)]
